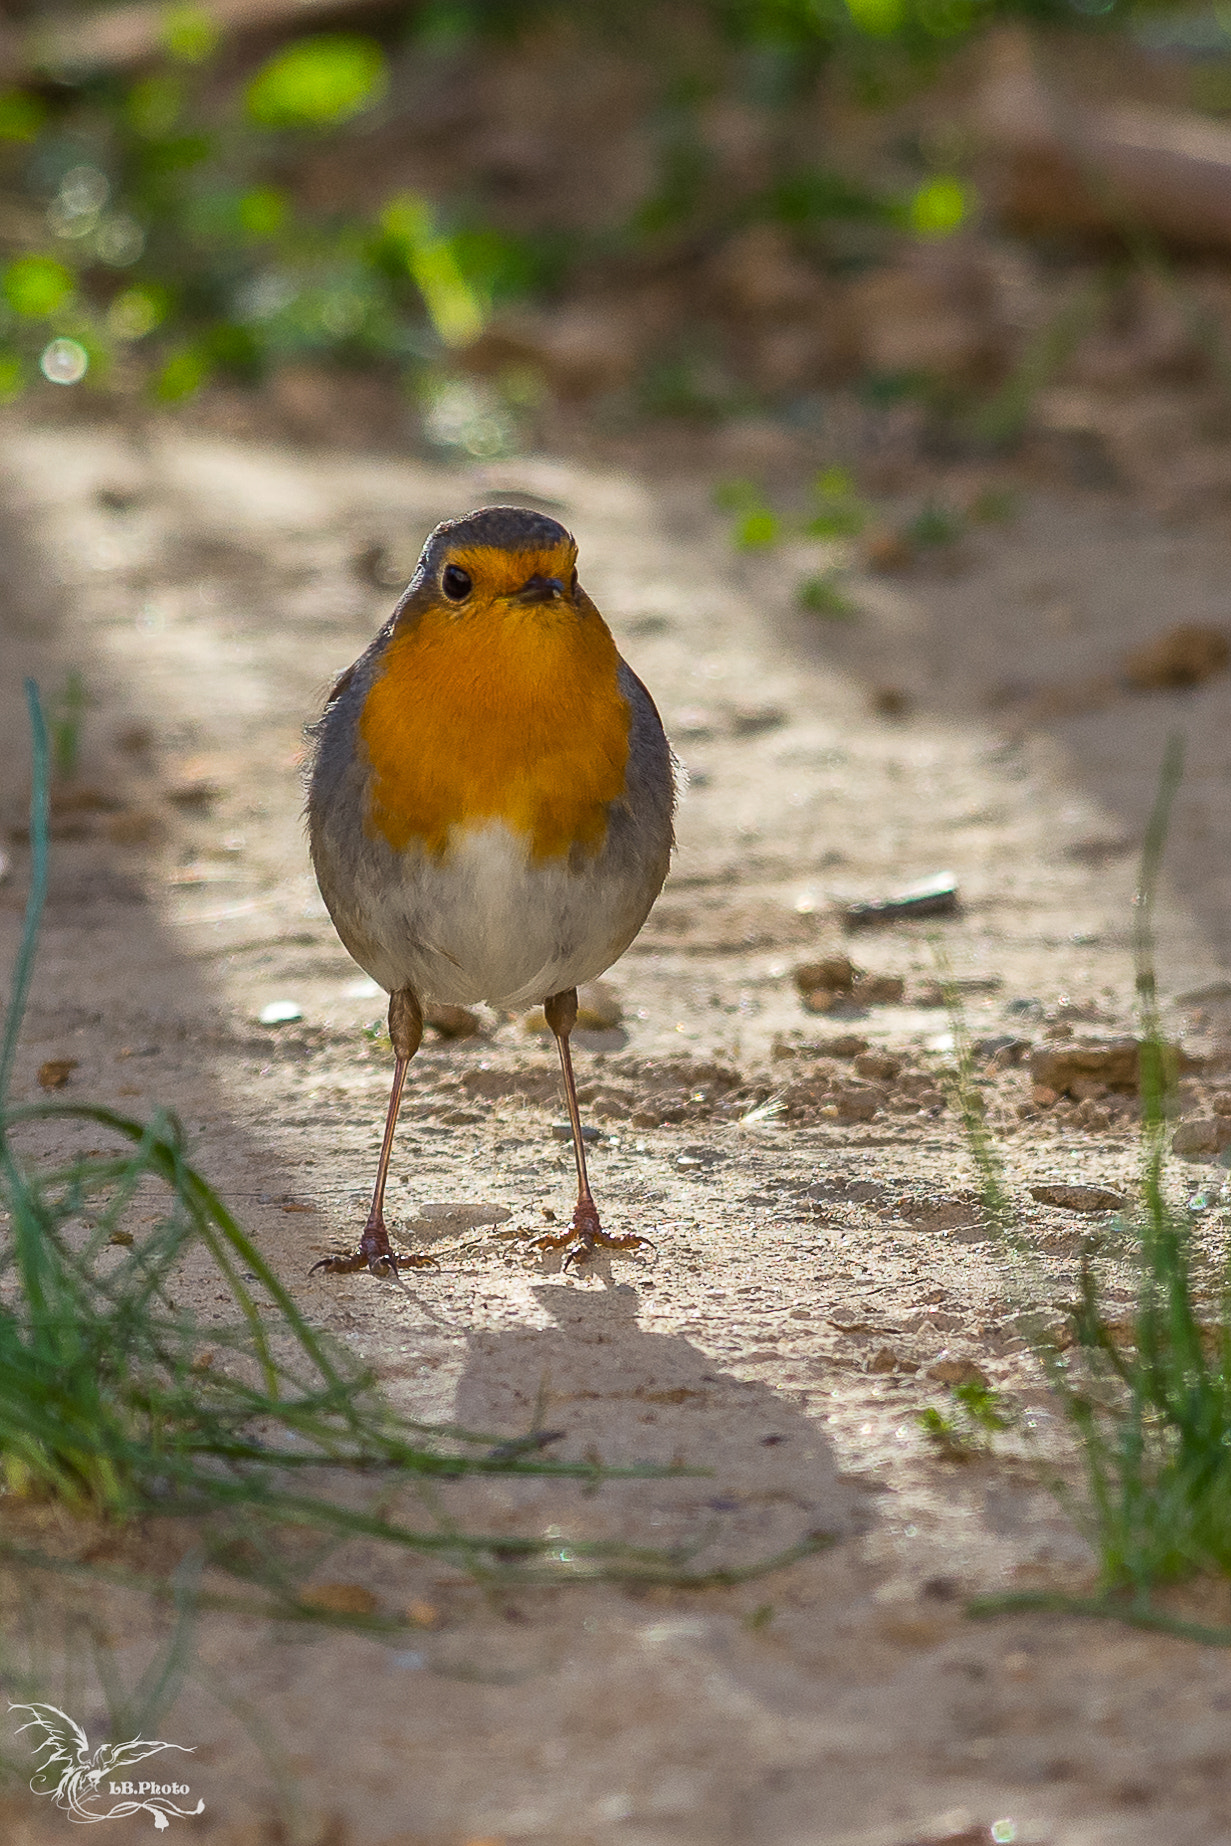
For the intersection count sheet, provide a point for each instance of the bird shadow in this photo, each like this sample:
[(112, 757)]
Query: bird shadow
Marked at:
[(755, 1474)]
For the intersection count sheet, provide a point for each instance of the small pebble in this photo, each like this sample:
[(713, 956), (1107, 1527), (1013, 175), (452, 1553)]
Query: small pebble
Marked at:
[(280, 1013), (948, 1370), (55, 1073), (561, 1131), (340, 1598), (453, 1021), (748, 720), (458, 1211), (1079, 1198)]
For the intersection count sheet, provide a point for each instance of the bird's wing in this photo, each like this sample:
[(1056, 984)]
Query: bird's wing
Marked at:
[(119, 1755), (69, 1743)]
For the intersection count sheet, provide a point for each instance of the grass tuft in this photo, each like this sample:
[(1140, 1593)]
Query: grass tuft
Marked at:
[(1147, 1392)]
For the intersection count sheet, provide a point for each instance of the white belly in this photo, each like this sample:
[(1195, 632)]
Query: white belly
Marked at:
[(490, 924)]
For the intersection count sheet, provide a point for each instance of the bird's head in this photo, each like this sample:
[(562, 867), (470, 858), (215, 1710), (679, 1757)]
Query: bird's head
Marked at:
[(498, 563)]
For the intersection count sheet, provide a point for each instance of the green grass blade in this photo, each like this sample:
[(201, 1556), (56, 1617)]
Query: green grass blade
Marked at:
[(23, 968)]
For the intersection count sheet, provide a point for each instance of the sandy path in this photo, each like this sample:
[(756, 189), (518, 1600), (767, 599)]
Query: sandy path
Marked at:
[(811, 1266)]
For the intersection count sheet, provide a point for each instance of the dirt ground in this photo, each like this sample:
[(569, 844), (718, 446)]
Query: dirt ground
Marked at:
[(821, 1268)]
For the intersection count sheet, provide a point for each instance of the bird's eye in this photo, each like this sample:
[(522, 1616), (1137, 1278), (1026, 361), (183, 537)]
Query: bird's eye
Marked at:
[(456, 583)]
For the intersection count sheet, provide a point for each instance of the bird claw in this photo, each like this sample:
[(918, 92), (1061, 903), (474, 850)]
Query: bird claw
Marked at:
[(375, 1255), (586, 1236)]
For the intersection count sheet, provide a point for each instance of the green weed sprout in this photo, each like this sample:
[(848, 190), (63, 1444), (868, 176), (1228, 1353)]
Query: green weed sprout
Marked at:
[(840, 513), (1147, 1393), (823, 595), (976, 1415)]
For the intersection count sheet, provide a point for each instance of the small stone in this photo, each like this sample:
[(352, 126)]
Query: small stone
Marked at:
[(750, 720), (836, 972), (1113, 1063), (928, 994), (879, 989), (832, 1001), (134, 827), (1182, 656), (462, 1211), (853, 1103), (891, 702), (453, 1021), (883, 1360), (884, 550), (950, 1371), (844, 1045), (935, 896), (1198, 1135), (692, 1159), (1080, 1198), (55, 1073), (562, 1131), (196, 795), (1043, 1095), (599, 1007), (422, 1614), (340, 1598), (1001, 1049), (280, 1013), (881, 1066)]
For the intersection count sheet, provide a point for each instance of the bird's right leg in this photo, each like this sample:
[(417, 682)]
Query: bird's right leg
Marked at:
[(374, 1251)]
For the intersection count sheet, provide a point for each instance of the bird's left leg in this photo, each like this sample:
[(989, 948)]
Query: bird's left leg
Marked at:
[(585, 1233)]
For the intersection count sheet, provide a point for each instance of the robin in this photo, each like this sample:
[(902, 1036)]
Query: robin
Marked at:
[(490, 808)]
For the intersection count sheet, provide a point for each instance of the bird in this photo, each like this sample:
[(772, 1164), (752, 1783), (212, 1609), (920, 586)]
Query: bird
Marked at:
[(490, 810)]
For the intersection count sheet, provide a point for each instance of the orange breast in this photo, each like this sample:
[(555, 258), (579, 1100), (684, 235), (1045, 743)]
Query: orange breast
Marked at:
[(512, 714)]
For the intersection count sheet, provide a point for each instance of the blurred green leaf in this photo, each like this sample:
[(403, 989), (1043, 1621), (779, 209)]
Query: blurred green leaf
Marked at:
[(21, 115), (318, 82), (815, 194), (940, 207), (736, 496), (757, 529), (189, 34), (824, 595), (12, 376), (453, 305), (933, 525), (37, 286), (877, 18), (182, 375), (137, 311), (153, 106), (839, 511), (264, 211)]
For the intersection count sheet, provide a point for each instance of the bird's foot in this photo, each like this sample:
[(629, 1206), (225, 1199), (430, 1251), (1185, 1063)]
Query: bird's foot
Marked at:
[(586, 1235), (374, 1253)]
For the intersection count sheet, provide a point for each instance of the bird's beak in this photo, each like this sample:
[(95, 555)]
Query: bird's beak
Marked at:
[(540, 590)]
